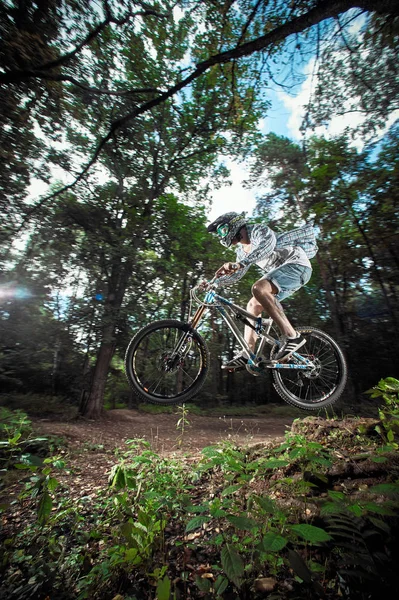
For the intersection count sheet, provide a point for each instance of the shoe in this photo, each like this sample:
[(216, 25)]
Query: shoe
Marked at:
[(289, 346), (238, 363)]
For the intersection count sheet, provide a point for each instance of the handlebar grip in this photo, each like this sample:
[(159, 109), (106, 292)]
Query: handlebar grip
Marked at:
[(235, 267)]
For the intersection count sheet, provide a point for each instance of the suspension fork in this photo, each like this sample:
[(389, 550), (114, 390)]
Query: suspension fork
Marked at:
[(199, 313), (193, 324)]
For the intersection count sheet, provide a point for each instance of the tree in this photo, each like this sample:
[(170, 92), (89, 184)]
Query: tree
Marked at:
[(43, 55), (358, 76), (37, 353), (343, 190)]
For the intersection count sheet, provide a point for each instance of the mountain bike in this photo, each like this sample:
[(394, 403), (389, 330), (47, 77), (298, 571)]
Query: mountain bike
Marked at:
[(167, 361)]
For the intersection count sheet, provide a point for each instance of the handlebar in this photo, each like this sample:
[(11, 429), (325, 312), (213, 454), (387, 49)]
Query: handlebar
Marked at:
[(210, 284)]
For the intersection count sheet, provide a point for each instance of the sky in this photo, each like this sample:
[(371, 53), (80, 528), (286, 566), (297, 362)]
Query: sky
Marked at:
[(283, 118), (235, 197)]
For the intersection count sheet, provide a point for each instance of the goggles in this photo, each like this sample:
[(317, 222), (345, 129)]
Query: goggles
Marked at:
[(222, 230)]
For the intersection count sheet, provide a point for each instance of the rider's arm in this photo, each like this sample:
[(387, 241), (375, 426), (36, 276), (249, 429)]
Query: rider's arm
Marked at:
[(233, 277), (263, 242)]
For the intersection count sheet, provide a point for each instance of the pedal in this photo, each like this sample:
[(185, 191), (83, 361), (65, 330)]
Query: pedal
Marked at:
[(253, 369), (256, 368)]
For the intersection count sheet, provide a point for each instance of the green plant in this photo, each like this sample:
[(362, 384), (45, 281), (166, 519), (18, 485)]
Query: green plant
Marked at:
[(12, 422), (42, 483), (16, 438), (182, 423), (388, 390)]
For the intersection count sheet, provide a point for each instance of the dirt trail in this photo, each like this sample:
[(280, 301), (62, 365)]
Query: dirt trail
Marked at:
[(90, 445), (162, 432)]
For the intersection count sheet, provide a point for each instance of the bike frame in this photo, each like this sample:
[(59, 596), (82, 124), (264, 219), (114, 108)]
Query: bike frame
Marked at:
[(261, 326)]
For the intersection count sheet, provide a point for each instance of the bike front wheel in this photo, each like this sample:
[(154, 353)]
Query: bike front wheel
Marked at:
[(320, 386), (167, 362)]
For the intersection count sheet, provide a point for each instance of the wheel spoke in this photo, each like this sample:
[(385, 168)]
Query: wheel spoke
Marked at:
[(161, 372), (318, 384)]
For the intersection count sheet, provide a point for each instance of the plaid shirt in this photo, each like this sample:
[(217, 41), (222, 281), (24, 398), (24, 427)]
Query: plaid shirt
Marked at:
[(269, 251)]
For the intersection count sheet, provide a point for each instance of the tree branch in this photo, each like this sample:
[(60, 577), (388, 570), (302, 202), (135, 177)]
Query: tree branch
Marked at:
[(324, 10), (20, 75), (92, 90)]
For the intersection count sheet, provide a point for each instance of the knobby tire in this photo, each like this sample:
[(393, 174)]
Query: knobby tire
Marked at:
[(325, 388), (148, 353)]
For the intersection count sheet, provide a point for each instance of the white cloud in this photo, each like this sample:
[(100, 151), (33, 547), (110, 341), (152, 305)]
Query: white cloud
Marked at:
[(337, 125), (235, 197)]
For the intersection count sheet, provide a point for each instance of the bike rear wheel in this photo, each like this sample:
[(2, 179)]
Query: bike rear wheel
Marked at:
[(323, 385), (167, 362)]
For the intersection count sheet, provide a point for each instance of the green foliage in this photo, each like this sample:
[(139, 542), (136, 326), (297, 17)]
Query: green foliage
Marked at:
[(183, 423), (14, 423), (17, 440), (388, 390), (41, 484), (232, 564), (250, 511)]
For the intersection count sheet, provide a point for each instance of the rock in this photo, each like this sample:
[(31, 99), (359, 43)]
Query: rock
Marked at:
[(264, 585)]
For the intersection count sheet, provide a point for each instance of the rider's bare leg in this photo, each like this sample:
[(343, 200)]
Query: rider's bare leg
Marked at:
[(250, 336), (264, 295)]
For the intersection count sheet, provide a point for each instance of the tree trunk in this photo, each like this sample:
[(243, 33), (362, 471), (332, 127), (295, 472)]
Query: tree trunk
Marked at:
[(94, 404), (118, 280)]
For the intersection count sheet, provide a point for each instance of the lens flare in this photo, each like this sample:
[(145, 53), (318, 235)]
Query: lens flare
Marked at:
[(13, 291)]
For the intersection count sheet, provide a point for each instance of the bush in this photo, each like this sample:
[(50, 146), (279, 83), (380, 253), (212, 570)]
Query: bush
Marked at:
[(39, 404)]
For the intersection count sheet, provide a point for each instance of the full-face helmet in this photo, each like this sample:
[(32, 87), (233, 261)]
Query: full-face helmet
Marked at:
[(227, 227)]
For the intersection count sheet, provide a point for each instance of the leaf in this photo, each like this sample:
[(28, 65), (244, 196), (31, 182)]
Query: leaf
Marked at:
[(131, 556), (273, 542), (231, 489), (299, 566), (379, 459), (232, 564), (52, 484), (218, 513), (387, 489), (203, 584), (44, 508), (196, 523), (356, 509), (275, 463), (336, 495), (391, 384), (32, 459), (379, 509), (310, 533), (242, 522), (163, 588), (221, 584), (379, 524), (126, 529), (265, 503)]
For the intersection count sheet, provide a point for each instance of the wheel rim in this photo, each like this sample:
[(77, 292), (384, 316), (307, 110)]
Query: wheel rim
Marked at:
[(159, 371), (318, 384)]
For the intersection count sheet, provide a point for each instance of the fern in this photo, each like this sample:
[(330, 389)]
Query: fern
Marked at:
[(355, 561)]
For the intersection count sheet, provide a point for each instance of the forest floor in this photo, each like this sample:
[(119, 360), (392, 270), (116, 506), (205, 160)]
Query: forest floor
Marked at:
[(92, 445), (303, 508)]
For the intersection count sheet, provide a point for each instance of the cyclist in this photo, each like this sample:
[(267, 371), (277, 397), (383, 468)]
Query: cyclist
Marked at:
[(284, 260)]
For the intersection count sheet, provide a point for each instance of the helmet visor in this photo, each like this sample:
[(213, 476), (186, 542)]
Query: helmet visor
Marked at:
[(222, 230)]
